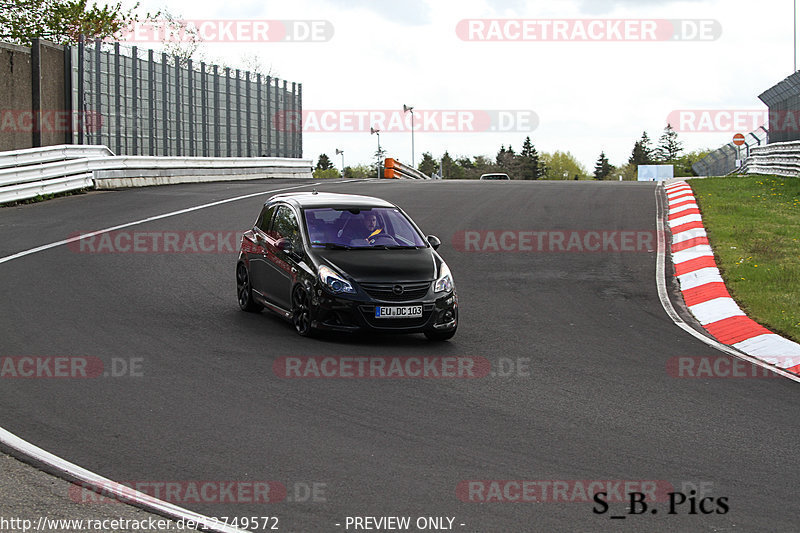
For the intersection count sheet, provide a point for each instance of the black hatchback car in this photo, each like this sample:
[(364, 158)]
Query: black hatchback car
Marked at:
[(342, 262)]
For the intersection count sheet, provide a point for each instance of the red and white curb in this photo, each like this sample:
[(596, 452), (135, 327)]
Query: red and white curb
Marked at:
[(704, 290)]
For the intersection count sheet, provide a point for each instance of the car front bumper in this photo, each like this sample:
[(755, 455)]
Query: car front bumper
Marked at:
[(337, 313)]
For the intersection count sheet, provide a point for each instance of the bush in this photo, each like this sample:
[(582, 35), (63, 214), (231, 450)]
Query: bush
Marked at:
[(324, 174)]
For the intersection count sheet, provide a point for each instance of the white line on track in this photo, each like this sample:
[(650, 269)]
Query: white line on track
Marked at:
[(150, 219), (667, 304), (88, 477)]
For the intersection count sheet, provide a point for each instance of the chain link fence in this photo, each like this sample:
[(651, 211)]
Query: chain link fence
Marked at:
[(138, 102), (723, 161)]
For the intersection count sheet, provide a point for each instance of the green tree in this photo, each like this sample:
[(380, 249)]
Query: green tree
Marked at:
[(483, 165), (563, 166), (428, 165), (507, 161), (451, 169), (642, 153), (359, 172), (324, 162), (602, 169), (683, 164), (62, 21), (530, 167), (669, 147), (628, 171)]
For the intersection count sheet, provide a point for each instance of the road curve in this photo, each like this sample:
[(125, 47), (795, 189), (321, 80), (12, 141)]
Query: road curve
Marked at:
[(592, 396)]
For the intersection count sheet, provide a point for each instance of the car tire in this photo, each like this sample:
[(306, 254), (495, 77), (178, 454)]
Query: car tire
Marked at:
[(439, 336), (301, 312), (244, 291)]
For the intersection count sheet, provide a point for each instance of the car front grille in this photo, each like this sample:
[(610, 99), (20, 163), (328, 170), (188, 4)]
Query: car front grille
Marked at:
[(386, 292)]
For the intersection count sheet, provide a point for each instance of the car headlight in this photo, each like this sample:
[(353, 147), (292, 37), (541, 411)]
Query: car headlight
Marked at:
[(445, 281), (334, 282)]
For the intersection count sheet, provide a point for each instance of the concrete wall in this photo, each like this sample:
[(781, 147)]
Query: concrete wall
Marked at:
[(56, 115), (16, 99)]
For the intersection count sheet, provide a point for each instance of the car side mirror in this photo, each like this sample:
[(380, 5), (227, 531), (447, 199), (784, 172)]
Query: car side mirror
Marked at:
[(434, 241), (284, 245)]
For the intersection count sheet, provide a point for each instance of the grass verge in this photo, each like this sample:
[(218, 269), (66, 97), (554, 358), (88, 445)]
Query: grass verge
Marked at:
[(753, 224), (43, 198)]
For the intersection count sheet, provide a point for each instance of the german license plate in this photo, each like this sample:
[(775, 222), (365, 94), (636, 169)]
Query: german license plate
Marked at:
[(407, 311)]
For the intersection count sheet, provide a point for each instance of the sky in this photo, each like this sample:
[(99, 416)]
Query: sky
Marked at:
[(578, 93)]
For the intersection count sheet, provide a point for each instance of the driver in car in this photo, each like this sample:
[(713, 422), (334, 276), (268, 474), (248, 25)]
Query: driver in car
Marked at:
[(371, 229)]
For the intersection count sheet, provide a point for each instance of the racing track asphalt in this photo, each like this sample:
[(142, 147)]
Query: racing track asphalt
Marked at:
[(597, 402)]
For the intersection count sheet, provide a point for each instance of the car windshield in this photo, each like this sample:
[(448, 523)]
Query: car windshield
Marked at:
[(377, 227)]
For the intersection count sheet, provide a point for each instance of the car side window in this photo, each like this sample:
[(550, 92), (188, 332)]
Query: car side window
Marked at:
[(265, 218), (285, 225), (401, 231)]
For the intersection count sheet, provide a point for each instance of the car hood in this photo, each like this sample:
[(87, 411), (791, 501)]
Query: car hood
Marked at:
[(383, 265)]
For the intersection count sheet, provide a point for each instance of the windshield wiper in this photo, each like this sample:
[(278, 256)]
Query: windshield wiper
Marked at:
[(332, 245), (389, 247)]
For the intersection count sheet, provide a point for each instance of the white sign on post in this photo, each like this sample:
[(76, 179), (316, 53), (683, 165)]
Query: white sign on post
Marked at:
[(656, 172)]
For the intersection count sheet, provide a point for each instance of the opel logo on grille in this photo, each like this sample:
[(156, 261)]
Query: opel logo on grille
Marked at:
[(397, 289)]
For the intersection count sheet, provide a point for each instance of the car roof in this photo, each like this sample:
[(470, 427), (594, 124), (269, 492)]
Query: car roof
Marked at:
[(329, 199)]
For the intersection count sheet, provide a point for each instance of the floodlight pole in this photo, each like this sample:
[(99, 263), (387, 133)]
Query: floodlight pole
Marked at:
[(380, 152), (410, 109), (342, 154)]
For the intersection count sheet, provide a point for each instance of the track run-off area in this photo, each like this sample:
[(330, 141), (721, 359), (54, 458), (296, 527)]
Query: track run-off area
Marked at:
[(126, 353)]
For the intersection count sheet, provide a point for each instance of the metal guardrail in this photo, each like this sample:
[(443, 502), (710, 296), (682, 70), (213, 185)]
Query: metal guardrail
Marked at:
[(394, 169), (780, 159), (61, 152), (28, 173)]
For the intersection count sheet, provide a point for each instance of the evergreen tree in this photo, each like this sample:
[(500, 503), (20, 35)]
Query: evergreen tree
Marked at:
[(642, 153), (324, 163), (448, 166), (428, 165), (507, 160), (602, 168), (669, 147), (647, 147), (530, 166), (501, 155)]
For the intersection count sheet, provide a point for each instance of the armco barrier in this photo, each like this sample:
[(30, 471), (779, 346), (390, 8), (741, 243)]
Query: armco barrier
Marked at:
[(394, 169), (37, 171), (780, 159)]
